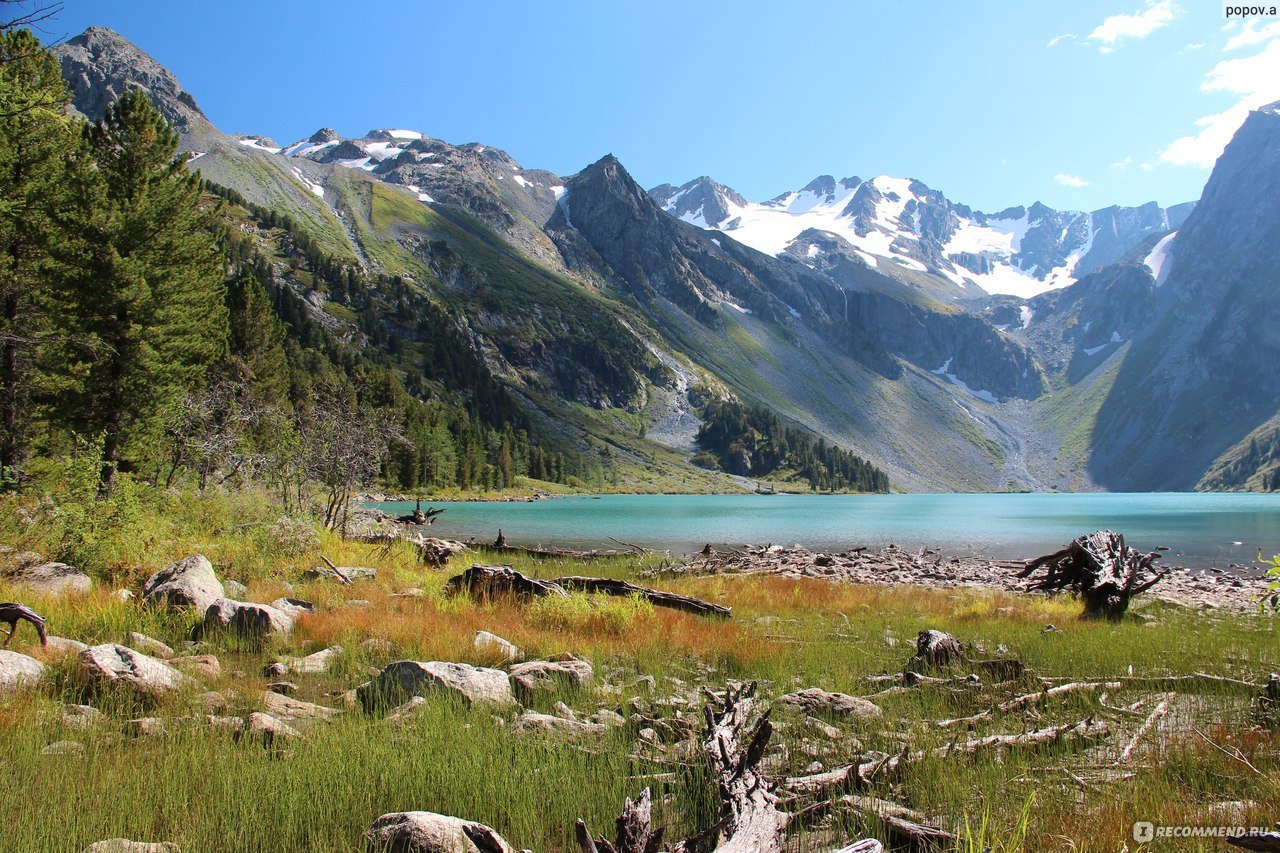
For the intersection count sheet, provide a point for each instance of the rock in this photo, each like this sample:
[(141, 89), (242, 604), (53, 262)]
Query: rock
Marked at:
[(428, 832), (149, 727), (318, 662), (351, 573), (189, 582), (294, 606), (149, 646), (111, 664), (288, 708), (404, 713), (212, 700), (531, 722), (64, 646), (225, 724), (29, 570), (546, 676), (607, 717), (64, 747), (376, 646), (275, 670), (207, 666), (246, 619), (405, 678), (234, 589), (492, 644), (358, 603), (269, 729), (81, 718), (284, 688), (18, 670), (125, 595), (821, 703), (124, 845)]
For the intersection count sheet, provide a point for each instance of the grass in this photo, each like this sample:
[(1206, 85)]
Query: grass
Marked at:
[(207, 791)]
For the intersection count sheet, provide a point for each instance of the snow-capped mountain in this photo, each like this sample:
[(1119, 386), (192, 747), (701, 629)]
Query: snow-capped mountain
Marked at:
[(900, 224)]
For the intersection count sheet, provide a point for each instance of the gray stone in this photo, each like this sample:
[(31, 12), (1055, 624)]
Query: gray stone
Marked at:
[(350, 573), (405, 678), (491, 644), (111, 664), (18, 670), (428, 832), (64, 747), (295, 710), (81, 718), (293, 606), (64, 646), (531, 722), (124, 845), (149, 646), (320, 661), (247, 619), (190, 582), (817, 702), (205, 665), (29, 570), (234, 589), (270, 729), (547, 676)]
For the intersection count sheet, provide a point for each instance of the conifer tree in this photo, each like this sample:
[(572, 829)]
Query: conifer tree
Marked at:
[(37, 143), (256, 341), (144, 287)]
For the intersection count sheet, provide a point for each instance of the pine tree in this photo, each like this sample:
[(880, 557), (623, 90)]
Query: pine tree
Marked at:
[(144, 288), (256, 341), (37, 143)]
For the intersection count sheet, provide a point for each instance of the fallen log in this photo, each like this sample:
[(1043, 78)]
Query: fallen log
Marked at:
[(500, 544), (1101, 569), (737, 734), (487, 583), (1033, 699), (11, 613), (1160, 710), (1084, 731), (905, 827), (1267, 842)]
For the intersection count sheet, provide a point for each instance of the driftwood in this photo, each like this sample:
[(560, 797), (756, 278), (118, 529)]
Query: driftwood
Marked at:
[(1101, 569), (11, 613), (487, 583), (418, 516), (904, 827), (500, 544), (1033, 699), (1160, 710), (635, 832)]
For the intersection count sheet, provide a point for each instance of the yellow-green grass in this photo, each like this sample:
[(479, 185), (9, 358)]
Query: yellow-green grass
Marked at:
[(206, 791)]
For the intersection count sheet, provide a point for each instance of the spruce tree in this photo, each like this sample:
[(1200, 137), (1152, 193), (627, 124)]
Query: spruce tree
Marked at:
[(38, 142), (144, 288), (256, 341)]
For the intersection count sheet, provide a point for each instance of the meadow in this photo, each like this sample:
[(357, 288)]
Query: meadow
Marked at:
[(1212, 759)]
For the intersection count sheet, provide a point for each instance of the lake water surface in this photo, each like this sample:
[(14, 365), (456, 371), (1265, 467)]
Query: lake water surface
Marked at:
[(1202, 530)]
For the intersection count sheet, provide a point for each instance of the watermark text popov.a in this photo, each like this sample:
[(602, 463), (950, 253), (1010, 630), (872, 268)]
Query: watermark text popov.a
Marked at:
[(1233, 11)]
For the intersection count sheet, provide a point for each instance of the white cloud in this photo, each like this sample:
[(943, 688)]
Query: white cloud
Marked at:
[(1255, 79), (1121, 165), (1117, 28), (1195, 45), (1252, 34), (1074, 181), (1059, 39)]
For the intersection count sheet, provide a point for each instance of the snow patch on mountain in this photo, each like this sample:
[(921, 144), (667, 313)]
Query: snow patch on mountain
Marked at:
[(1158, 261)]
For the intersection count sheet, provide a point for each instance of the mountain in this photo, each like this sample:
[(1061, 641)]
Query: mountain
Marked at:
[(901, 226), (1030, 348)]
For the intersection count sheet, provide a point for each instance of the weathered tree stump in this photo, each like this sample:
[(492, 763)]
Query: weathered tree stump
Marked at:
[(11, 613), (1101, 569)]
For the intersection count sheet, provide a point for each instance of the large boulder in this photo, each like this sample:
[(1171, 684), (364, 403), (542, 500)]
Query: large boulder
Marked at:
[(404, 679), (531, 722), (111, 664), (149, 646), (246, 619), (29, 570), (428, 832), (320, 661), (550, 676), (18, 670), (821, 703), (190, 582), (295, 710)]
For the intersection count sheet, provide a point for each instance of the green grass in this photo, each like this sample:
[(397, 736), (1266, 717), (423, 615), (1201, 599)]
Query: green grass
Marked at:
[(207, 791)]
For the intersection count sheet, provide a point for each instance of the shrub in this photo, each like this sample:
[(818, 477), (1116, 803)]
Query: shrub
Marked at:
[(583, 613)]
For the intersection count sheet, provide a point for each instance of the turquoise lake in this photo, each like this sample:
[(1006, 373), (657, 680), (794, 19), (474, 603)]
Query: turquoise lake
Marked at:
[(1202, 530)]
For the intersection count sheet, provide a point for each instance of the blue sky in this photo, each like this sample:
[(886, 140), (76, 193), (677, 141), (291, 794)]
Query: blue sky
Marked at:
[(1079, 104)]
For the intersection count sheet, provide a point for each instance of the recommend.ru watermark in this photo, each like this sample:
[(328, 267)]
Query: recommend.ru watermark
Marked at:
[(1145, 831)]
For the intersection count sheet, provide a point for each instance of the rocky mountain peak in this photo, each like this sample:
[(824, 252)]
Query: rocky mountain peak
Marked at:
[(100, 65), (324, 134)]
